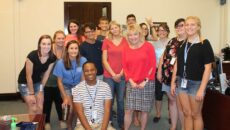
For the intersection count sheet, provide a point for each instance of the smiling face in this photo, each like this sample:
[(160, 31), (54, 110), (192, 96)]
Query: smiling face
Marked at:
[(115, 30), (89, 33), (45, 46), (162, 33), (104, 25), (73, 50), (73, 27), (90, 72), (180, 28), (144, 29), (192, 26), (59, 39)]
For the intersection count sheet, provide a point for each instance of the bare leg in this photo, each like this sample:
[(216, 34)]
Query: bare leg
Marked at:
[(196, 113), (136, 118), (128, 118), (186, 107), (144, 119), (173, 111), (180, 113)]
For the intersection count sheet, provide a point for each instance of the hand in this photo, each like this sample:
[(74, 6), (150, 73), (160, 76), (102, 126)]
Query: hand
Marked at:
[(173, 89), (149, 20), (199, 95), (133, 84), (65, 102), (142, 85), (117, 78)]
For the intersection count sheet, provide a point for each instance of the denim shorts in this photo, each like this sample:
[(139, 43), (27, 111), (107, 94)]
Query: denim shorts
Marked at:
[(68, 90), (191, 88), (24, 91), (166, 88)]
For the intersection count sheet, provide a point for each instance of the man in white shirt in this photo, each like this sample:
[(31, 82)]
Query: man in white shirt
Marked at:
[(92, 101)]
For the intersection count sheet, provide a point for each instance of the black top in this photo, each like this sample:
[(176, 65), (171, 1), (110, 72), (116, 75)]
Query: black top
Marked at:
[(38, 67), (199, 54), (93, 53)]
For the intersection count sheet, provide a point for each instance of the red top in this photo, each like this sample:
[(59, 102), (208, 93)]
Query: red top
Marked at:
[(137, 63), (114, 55), (70, 37)]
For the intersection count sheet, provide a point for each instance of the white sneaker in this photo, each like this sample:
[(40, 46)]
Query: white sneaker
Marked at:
[(62, 124), (47, 126)]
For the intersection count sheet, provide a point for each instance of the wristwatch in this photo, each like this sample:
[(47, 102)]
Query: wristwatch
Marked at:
[(146, 80)]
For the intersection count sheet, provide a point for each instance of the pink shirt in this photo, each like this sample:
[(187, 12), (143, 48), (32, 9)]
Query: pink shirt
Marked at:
[(114, 55), (70, 37), (137, 63)]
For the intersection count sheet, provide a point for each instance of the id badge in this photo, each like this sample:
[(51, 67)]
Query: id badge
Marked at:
[(184, 83), (172, 60), (94, 114)]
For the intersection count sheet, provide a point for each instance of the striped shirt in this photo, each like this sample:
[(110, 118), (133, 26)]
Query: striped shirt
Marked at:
[(85, 94)]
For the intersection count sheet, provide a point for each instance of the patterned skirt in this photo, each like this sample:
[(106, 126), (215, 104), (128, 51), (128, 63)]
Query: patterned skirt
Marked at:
[(140, 99)]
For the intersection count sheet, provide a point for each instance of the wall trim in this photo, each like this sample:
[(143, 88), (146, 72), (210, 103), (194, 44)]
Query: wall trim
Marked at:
[(10, 96)]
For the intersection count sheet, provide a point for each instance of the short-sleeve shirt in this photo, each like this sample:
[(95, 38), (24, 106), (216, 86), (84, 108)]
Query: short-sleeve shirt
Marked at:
[(93, 53), (114, 55), (159, 49), (70, 77), (38, 67), (83, 93), (170, 52), (198, 55)]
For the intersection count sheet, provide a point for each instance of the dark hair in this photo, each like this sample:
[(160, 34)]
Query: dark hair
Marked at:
[(79, 35), (67, 62), (142, 24), (178, 21), (88, 62), (131, 15), (91, 26), (165, 27), (39, 42)]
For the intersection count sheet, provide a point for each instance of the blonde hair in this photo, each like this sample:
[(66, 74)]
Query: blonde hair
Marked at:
[(198, 22), (135, 28), (110, 35)]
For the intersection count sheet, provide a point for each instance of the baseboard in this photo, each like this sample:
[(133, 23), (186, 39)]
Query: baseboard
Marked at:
[(10, 96)]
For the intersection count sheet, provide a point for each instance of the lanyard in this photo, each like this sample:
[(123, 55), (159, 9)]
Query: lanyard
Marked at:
[(73, 74), (186, 50), (92, 99)]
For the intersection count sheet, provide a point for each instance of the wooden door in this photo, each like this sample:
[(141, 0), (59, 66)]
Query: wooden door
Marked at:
[(86, 11)]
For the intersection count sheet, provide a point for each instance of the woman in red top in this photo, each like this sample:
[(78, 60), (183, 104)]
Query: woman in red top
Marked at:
[(74, 32), (113, 74), (139, 66)]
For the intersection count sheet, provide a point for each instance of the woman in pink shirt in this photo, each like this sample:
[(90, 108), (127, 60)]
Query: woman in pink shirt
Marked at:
[(74, 32), (112, 48), (139, 66)]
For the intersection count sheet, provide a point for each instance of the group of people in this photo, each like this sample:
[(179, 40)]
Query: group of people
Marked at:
[(87, 71)]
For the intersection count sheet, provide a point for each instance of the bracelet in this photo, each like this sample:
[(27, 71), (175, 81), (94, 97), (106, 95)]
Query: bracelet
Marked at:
[(41, 88)]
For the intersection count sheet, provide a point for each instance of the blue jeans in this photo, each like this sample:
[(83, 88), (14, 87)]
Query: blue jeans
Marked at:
[(117, 89)]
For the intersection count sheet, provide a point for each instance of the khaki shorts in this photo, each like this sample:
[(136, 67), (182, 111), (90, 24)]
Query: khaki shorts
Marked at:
[(94, 127)]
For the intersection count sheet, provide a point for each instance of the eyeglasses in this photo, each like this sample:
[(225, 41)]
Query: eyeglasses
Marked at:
[(179, 25), (92, 31)]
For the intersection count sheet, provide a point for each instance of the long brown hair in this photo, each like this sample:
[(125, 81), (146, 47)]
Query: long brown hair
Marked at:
[(39, 42), (66, 59)]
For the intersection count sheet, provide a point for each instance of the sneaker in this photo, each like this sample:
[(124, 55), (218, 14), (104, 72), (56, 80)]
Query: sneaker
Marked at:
[(47, 126), (62, 124)]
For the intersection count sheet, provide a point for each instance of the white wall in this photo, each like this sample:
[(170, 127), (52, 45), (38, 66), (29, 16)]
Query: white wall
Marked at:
[(23, 21)]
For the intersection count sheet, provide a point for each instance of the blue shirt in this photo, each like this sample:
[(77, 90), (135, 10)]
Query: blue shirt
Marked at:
[(71, 77)]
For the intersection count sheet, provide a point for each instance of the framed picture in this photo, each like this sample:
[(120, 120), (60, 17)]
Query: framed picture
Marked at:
[(157, 24)]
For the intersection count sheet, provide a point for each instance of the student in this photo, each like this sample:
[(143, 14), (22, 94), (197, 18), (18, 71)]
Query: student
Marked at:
[(139, 66), (112, 49), (51, 91), (163, 33), (165, 70), (74, 32), (35, 74), (192, 71), (91, 48), (131, 19), (69, 73), (92, 101), (102, 33)]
